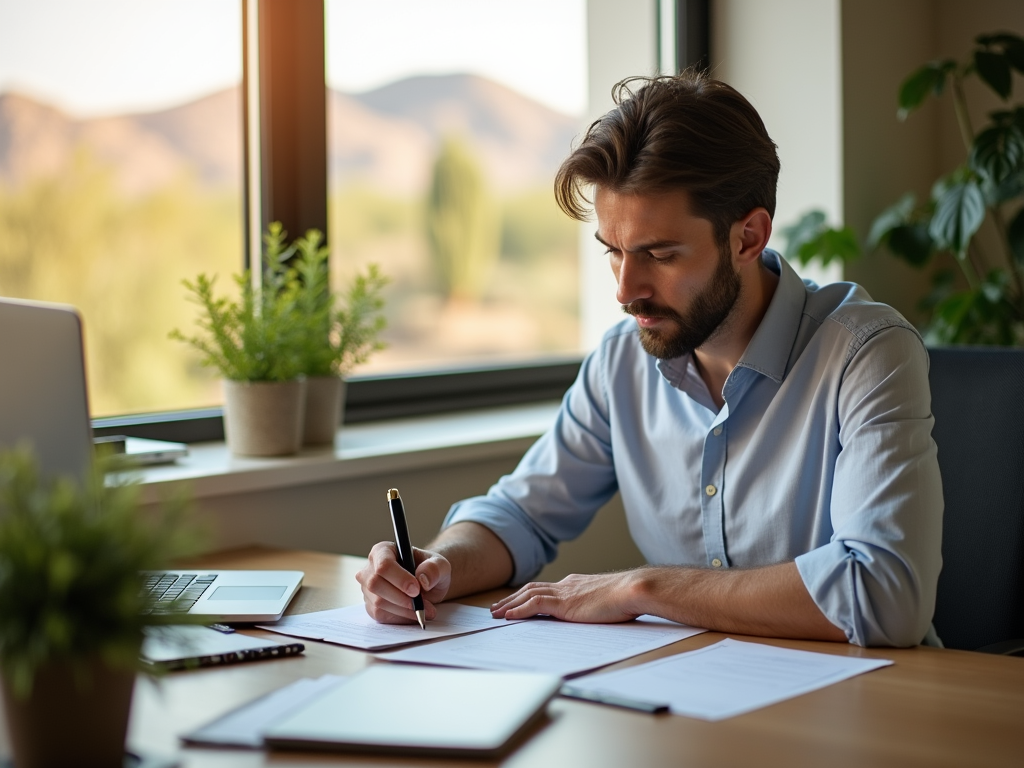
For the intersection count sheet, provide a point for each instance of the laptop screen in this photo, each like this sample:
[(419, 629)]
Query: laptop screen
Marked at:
[(43, 398)]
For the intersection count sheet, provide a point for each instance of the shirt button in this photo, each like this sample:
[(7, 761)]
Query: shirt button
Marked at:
[(717, 563), (711, 490), (718, 431)]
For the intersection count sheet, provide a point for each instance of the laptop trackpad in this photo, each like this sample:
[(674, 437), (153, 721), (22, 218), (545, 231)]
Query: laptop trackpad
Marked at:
[(248, 593)]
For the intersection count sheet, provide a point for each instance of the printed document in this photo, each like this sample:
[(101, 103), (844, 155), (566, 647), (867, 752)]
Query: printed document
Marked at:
[(548, 645), (353, 627), (728, 678)]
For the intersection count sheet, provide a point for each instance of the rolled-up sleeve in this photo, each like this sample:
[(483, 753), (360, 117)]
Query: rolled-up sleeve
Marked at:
[(558, 486), (876, 579)]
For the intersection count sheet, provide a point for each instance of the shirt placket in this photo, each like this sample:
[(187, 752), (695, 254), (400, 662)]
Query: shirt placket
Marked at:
[(712, 502)]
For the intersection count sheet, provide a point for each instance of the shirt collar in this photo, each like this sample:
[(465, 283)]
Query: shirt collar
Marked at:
[(769, 350)]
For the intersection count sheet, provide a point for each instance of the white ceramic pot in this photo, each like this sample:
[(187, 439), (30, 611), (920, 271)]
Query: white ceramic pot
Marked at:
[(264, 418), (324, 398)]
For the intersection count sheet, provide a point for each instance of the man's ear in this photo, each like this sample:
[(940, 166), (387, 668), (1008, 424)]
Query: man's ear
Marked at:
[(749, 236)]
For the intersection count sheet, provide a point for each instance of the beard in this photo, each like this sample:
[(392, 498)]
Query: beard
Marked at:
[(706, 316)]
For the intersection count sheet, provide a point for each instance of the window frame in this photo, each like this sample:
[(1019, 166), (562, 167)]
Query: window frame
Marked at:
[(287, 148)]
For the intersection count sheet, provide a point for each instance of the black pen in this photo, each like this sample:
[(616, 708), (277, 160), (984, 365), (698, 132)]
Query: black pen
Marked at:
[(405, 556), (651, 708)]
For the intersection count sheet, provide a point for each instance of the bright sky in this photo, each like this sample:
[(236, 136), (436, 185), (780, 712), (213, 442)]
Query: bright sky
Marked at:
[(537, 47), (111, 56)]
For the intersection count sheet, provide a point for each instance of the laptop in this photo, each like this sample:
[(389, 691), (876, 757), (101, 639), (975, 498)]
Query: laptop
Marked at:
[(142, 451), (44, 403), (224, 596)]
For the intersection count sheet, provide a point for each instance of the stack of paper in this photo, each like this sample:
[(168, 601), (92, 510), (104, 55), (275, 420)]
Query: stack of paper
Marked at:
[(727, 678), (547, 645)]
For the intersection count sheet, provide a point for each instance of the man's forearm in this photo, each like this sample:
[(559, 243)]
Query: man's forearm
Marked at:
[(479, 559), (770, 601)]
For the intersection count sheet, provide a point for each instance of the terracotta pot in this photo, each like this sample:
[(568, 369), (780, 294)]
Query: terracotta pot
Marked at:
[(324, 398), (264, 418), (68, 720)]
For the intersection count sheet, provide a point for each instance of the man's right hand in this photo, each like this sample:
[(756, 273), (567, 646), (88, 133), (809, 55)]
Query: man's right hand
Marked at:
[(388, 589)]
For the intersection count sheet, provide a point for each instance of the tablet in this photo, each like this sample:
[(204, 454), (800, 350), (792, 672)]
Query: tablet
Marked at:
[(409, 709)]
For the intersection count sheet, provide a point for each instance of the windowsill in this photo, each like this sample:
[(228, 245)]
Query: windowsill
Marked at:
[(360, 450)]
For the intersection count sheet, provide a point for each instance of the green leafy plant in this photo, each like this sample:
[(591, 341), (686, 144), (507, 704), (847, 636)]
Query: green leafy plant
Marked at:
[(340, 331), (812, 238), (291, 324), (257, 336), (70, 560), (990, 183)]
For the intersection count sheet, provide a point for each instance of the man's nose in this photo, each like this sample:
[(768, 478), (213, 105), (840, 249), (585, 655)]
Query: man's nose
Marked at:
[(632, 277)]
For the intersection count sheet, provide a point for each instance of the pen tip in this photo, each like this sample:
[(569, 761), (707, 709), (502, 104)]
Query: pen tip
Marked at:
[(420, 618)]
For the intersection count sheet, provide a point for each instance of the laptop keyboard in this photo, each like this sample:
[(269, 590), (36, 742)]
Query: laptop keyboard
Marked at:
[(175, 592)]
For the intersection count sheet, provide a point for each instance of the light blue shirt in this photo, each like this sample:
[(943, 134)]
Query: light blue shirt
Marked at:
[(822, 454)]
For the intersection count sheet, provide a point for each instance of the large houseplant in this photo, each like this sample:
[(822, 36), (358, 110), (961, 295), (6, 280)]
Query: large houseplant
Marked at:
[(985, 305), (340, 331), (253, 342), (71, 610)]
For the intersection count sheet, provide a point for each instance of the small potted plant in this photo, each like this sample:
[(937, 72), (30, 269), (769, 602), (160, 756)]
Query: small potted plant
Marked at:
[(253, 342), (341, 331), (71, 609)]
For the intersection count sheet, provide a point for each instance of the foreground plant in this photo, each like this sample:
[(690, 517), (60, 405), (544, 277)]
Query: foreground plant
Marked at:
[(70, 560)]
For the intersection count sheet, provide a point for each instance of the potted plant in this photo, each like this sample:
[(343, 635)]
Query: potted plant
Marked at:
[(253, 342), (71, 610), (982, 301), (340, 332)]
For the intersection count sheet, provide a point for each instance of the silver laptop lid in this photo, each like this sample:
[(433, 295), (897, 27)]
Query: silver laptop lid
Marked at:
[(43, 400)]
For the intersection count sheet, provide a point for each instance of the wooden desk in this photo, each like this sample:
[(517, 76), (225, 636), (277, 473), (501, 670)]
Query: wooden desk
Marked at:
[(931, 708)]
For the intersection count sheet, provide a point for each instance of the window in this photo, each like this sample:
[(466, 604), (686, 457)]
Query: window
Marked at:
[(447, 121), (120, 251), (120, 175)]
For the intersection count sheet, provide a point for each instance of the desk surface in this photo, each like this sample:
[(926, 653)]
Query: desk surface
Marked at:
[(931, 708)]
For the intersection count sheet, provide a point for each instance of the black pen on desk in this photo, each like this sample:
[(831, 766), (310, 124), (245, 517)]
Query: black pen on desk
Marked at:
[(405, 556), (651, 708)]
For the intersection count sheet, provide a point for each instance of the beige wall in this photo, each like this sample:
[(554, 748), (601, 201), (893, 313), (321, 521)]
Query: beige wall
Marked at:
[(783, 55)]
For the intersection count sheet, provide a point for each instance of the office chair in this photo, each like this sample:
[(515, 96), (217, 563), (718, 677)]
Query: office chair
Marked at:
[(978, 404)]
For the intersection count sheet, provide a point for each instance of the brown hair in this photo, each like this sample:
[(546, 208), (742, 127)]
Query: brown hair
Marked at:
[(685, 131)]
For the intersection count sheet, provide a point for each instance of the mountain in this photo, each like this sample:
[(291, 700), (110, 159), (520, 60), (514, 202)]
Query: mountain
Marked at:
[(520, 141), (146, 151), (386, 138)]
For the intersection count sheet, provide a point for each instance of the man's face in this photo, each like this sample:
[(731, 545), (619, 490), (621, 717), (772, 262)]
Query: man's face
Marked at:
[(672, 275)]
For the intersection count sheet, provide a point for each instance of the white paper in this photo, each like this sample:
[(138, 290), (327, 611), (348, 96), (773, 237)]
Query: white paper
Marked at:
[(244, 727), (728, 678), (352, 626), (547, 645)]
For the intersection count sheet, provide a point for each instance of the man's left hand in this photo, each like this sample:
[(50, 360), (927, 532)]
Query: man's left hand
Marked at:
[(602, 599)]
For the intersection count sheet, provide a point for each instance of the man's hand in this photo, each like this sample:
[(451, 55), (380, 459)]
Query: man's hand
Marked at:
[(388, 589), (601, 599)]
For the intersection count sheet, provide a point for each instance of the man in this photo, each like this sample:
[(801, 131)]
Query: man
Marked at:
[(771, 439)]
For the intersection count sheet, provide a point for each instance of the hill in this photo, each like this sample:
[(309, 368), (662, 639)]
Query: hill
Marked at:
[(385, 138)]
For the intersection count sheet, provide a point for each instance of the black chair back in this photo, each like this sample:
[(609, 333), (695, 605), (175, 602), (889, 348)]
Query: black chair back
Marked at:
[(978, 403)]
